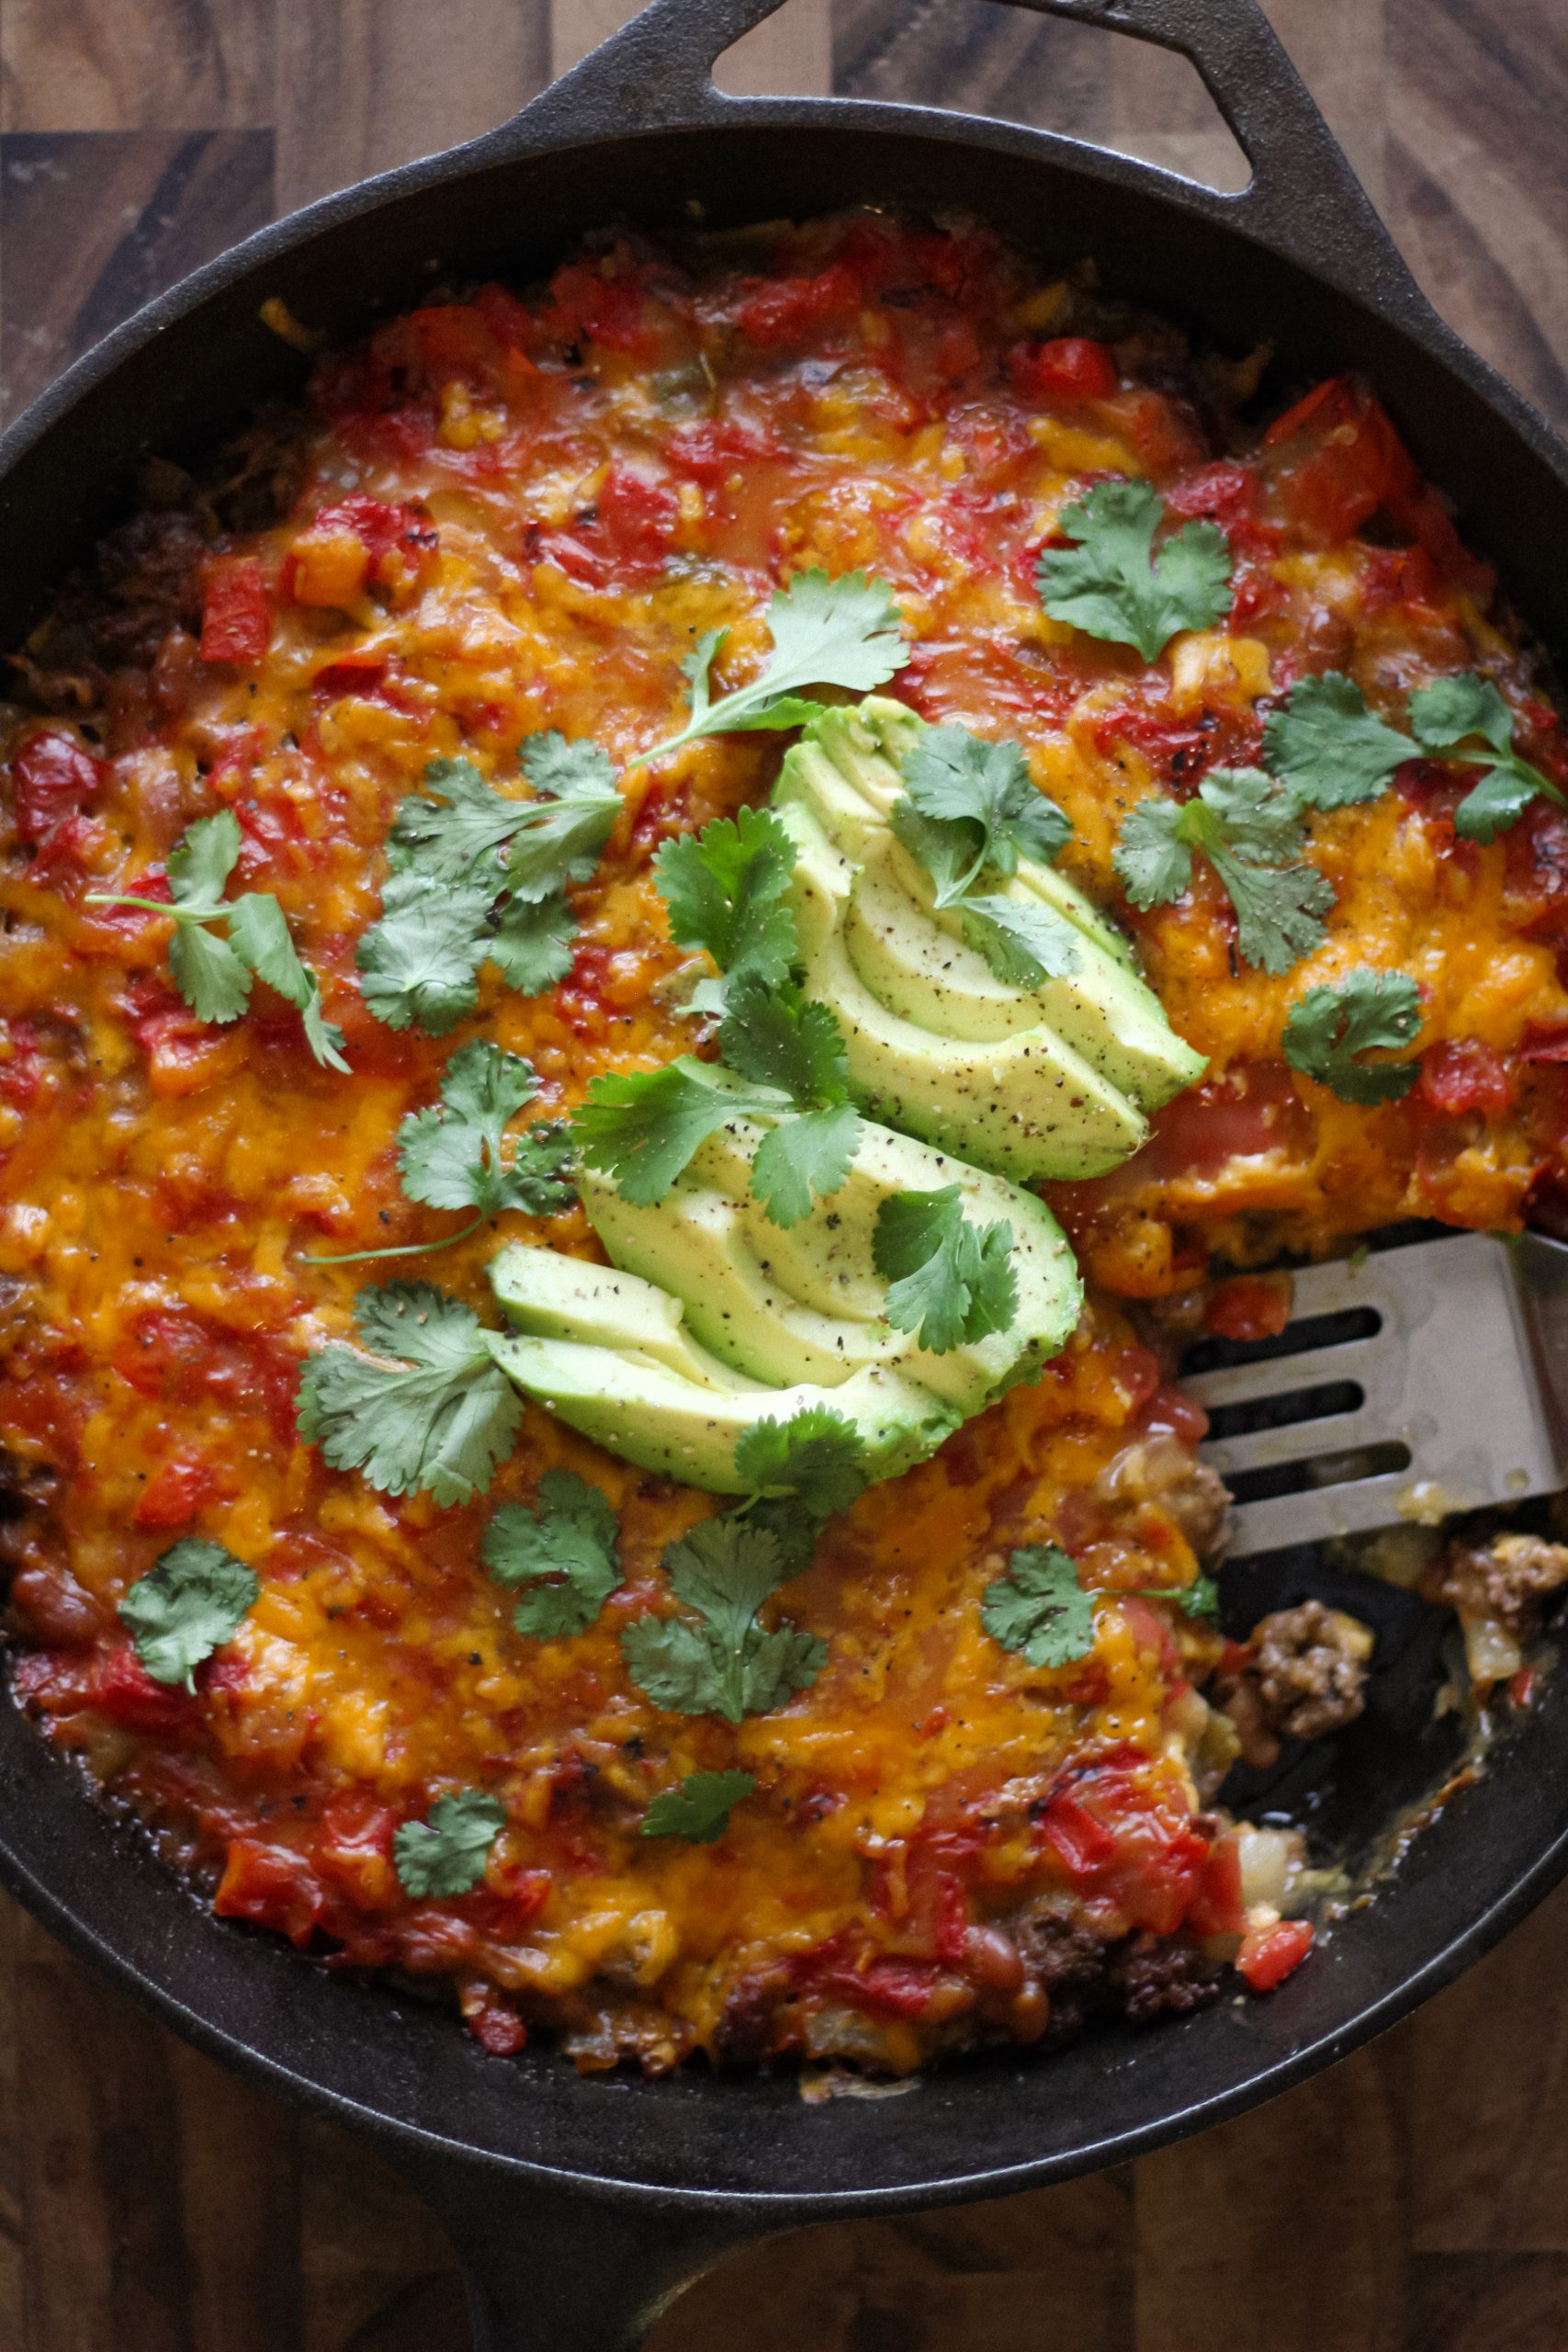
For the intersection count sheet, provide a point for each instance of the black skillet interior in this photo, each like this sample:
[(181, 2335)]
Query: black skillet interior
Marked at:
[(516, 2153)]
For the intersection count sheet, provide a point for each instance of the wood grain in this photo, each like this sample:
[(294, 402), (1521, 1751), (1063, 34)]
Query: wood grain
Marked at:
[(1413, 2200)]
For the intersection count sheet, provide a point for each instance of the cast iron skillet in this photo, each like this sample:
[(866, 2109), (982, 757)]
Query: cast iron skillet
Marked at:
[(579, 2203)]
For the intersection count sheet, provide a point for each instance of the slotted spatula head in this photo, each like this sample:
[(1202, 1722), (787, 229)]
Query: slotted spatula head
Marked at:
[(1413, 1382)]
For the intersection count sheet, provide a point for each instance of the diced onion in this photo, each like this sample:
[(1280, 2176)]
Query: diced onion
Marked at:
[(1269, 1860)]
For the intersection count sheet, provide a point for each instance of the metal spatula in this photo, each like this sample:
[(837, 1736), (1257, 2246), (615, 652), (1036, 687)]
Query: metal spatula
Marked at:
[(1416, 1381)]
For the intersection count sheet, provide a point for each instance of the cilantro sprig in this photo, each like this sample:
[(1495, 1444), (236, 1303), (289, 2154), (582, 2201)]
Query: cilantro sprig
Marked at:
[(446, 1854), (718, 1660), (214, 972), (564, 1549), (816, 1460), (699, 1809), (1039, 1608), (1332, 750), (970, 811), (727, 890), (188, 1605), (1113, 585), (451, 1154), (786, 1065), (1330, 1028), (950, 1283), (826, 632), (1198, 1598), (1248, 827), (423, 1407), (476, 876)]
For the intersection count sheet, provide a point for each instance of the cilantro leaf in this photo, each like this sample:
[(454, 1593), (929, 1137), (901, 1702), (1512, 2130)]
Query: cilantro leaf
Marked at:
[(1039, 1608), (726, 1664), (258, 934), (560, 835), (1328, 1027), (818, 1458), (209, 976), (1248, 827), (446, 1853), (1021, 940), (213, 975), (427, 1410), (777, 1038), (642, 1126), (418, 962), (450, 1155), (826, 632), (803, 1158), (782, 1042), (458, 820), (727, 889), (1113, 585), (950, 1283), (568, 1537), (565, 769), (698, 1810), (531, 947), (1329, 747), (450, 905), (1447, 718), (186, 1606), (955, 778)]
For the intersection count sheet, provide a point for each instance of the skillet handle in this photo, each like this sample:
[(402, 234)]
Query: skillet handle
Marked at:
[(548, 2269), (1303, 199)]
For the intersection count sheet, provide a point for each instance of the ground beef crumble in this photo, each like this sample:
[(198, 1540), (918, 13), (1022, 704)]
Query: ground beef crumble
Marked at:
[(1305, 1675)]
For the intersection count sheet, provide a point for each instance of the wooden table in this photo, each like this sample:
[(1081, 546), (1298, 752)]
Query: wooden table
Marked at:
[(1413, 2200)]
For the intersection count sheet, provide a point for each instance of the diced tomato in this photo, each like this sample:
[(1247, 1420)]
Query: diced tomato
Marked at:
[(274, 1885), (54, 779), (1216, 1909), (1172, 1412), (353, 1847), (1223, 493), (1069, 369), (1253, 1108), (625, 538), (1249, 1307), (120, 1688), (1336, 460), (709, 452), (22, 1065), (1175, 752), (184, 1053), (358, 541), (608, 309), (900, 1988), (1137, 1376), (1268, 1954), (236, 610), (172, 1355), (496, 2025), (1084, 1844), (509, 1910), (1461, 1075), (783, 310), (176, 1492)]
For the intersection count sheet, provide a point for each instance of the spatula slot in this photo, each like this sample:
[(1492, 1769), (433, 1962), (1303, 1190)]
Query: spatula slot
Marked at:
[(1283, 1412), (1303, 1337), (1314, 1471)]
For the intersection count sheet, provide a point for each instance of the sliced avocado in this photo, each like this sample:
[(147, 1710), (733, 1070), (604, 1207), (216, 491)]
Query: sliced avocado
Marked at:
[(807, 1302), (845, 774), (914, 959), (1027, 1105), (846, 769), (552, 1297), (651, 1415)]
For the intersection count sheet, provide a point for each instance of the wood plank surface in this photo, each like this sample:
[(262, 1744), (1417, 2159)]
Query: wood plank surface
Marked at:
[(1413, 2200)]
